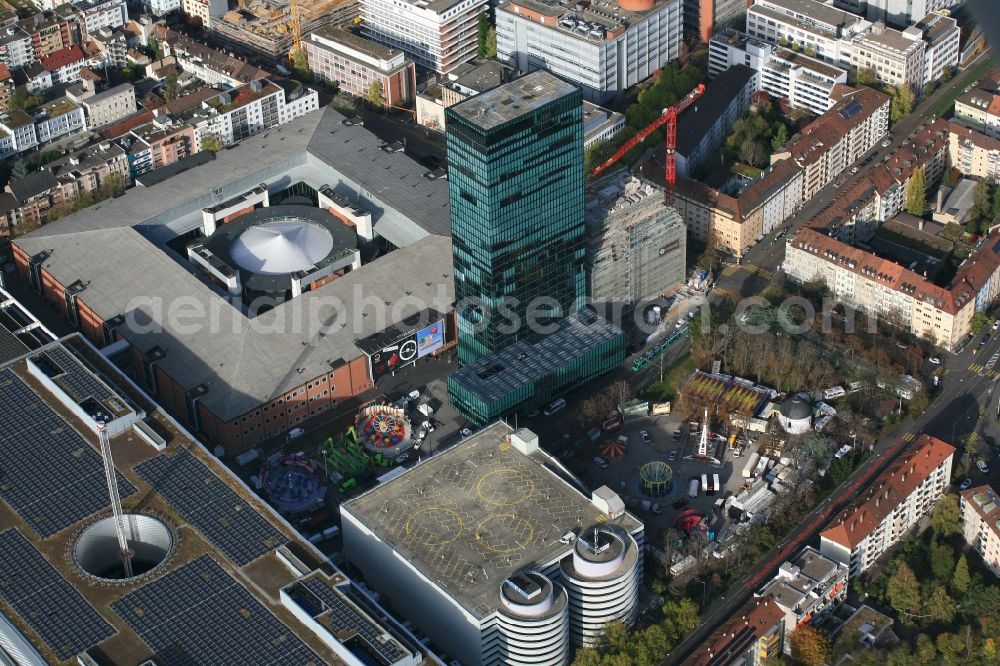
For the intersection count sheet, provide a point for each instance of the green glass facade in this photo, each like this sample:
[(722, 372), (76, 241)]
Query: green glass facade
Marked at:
[(517, 210)]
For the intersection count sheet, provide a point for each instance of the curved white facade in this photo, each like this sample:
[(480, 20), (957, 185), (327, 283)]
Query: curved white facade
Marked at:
[(533, 631), (602, 582)]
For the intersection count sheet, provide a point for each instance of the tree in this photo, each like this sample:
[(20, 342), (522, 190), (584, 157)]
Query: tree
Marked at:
[(810, 646), (211, 144), (916, 193), (155, 50), (867, 77), (978, 322), (960, 580), (900, 103), (680, 617), (982, 201), (947, 517), (170, 87), (375, 97), (942, 559), (300, 63), (491, 43), (20, 99), (995, 207), (810, 51), (596, 154), (779, 138), (752, 152), (482, 33), (940, 606), (19, 170), (903, 591)]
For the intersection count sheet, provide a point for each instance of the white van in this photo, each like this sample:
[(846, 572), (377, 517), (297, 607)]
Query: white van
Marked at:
[(295, 433), (555, 406), (834, 392)]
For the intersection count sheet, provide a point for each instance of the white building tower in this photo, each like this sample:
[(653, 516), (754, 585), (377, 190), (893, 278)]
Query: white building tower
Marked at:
[(532, 622)]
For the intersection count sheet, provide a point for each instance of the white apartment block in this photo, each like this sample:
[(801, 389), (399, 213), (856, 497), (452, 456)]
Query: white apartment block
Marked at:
[(16, 49), (109, 105), (902, 495), (97, 14), (806, 588), (248, 110), (205, 10), (603, 48), (849, 41), (981, 527), (974, 153), (161, 7), (55, 119), (805, 82), (438, 35)]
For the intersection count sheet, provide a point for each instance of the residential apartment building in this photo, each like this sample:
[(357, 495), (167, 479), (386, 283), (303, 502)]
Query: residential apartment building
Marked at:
[(64, 65), (54, 119), (807, 83), (6, 87), (752, 635), (108, 106), (59, 183), (438, 35), (979, 108), (111, 46), (16, 50), (204, 10), (702, 131), (92, 15), (161, 7), (857, 122), (50, 32), (356, 63), (212, 66), (807, 589), (891, 507), (158, 144), (849, 41), (704, 18), (980, 526), (603, 48), (974, 153), (234, 115)]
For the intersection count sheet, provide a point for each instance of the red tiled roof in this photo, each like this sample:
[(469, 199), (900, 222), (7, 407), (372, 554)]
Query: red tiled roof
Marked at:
[(125, 126), (62, 57), (894, 485), (754, 619), (4, 72), (978, 139)]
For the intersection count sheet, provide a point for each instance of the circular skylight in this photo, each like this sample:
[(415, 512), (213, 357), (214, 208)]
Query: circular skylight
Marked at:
[(281, 246)]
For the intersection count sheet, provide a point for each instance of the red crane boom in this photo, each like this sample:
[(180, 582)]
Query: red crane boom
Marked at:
[(669, 118)]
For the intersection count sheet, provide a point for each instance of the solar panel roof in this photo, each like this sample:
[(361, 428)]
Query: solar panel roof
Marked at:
[(225, 518), (199, 614), (45, 601), (49, 474)]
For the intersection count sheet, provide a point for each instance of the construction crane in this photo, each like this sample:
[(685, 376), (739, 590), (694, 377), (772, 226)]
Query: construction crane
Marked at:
[(669, 118), (296, 21)]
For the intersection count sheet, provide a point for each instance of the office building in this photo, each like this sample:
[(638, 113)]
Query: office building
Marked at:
[(213, 571), (753, 634), (897, 58), (105, 107), (902, 12), (517, 210), (262, 371), (636, 244), (603, 48), (807, 83), (942, 37), (807, 589), (704, 18), (438, 35), (704, 128), (494, 556), (980, 526), (904, 493), (337, 55)]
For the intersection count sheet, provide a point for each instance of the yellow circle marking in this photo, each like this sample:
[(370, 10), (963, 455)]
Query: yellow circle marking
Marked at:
[(434, 526), (522, 533), (491, 487)]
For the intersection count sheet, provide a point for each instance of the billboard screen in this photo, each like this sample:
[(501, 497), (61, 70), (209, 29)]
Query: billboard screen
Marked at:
[(430, 339), (392, 357)]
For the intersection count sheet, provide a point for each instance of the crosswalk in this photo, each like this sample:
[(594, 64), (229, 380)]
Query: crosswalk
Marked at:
[(732, 269), (727, 293), (986, 370), (909, 437)]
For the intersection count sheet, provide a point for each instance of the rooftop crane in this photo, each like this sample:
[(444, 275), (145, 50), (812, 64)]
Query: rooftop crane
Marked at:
[(669, 118), (295, 17)]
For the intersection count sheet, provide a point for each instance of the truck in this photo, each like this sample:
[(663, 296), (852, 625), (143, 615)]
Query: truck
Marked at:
[(693, 488), (707, 489), (751, 465)]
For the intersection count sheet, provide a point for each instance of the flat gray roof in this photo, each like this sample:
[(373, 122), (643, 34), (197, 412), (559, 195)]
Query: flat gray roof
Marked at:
[(114, 247), (512, 99), (817, 11), (348, 38), (495, 375), (475, 514)]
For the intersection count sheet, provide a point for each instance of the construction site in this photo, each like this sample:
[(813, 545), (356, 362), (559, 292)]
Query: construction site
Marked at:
[(635, 243), (272, 28)]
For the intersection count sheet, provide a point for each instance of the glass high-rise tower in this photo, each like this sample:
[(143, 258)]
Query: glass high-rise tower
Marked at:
[(515, 156)]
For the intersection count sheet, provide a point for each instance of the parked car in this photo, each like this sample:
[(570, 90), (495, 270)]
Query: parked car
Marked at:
[(996, 324), (402, 458), (886, 143), (966, 484), (934, 360), (681, 503), (676, 436), (645, 437), (981, 464), (673, 455), (601, 462), (466, 432)]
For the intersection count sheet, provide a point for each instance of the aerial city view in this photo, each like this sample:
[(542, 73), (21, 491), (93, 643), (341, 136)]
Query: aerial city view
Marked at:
[(499, 332)]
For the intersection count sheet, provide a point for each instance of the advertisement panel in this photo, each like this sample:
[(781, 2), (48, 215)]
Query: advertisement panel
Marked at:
[(430, 339), (393, 356)]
